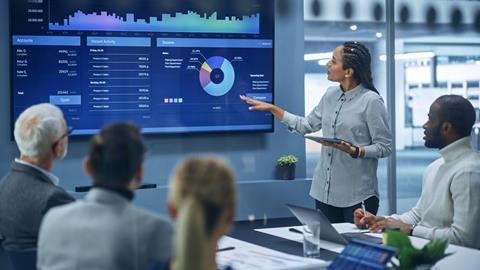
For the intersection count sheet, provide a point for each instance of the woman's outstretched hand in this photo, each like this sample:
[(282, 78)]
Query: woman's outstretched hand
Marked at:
[(257, 104)]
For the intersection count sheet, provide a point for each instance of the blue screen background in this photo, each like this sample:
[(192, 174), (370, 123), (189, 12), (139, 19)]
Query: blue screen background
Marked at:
[(100, 76)]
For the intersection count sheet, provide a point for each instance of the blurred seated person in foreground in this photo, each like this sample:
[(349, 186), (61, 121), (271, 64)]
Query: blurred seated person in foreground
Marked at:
[(29, 189), (449, 206), (105, 230), (202, 200)]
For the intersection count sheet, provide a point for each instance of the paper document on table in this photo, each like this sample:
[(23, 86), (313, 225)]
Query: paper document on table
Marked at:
[(247, 256), (347, 228)]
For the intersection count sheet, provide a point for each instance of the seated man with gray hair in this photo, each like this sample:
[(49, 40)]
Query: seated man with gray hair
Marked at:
[(29, 189)]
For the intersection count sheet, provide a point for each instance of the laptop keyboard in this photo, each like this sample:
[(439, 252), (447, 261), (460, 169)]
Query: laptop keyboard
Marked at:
[(362, 236)]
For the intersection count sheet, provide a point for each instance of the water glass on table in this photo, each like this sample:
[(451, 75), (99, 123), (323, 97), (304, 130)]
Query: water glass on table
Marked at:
[(311, 240)]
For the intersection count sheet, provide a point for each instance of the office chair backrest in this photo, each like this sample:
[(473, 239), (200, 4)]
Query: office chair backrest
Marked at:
[(23, 259), (5, 263), (17, 260)]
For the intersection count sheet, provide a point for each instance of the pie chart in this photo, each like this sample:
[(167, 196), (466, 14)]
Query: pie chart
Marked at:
[(217, 76)]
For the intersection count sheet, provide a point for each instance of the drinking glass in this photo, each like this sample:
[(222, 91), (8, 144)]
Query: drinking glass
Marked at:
[(311, 240)]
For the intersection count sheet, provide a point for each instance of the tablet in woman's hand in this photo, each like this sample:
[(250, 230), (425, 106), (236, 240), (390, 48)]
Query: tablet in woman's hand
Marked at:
[(325, 139)]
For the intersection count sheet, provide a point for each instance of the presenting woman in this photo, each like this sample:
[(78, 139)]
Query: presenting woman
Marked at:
[(346, 175)]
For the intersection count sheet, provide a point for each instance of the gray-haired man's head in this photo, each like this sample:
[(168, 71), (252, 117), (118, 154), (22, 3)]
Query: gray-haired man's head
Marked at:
[(41, 131)]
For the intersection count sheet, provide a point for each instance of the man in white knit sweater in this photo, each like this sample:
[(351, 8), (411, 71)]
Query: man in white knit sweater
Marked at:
[(449, 206)]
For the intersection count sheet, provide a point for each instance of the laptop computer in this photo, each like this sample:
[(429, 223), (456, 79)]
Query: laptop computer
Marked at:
[(327, 231)]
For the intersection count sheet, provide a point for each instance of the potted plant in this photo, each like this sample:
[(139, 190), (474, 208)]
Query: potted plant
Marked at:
[(410, 257), (286, 167)]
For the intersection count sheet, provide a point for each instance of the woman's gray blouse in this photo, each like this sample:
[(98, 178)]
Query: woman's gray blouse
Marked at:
[(357, 116)]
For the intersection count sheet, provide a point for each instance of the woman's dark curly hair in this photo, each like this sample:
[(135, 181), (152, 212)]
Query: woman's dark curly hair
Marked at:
[(357, 57)]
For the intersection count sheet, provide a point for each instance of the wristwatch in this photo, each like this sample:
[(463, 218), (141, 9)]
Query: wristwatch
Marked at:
[(357, 152), (411, 229)]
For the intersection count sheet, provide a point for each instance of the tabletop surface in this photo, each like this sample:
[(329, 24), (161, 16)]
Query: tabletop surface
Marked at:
[(245, 230)]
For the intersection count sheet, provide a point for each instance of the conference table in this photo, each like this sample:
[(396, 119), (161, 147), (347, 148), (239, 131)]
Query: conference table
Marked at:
[(265, 234)]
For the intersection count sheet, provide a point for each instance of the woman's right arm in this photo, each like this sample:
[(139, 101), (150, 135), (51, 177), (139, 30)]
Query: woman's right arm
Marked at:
[(264, 106), (303, 125)]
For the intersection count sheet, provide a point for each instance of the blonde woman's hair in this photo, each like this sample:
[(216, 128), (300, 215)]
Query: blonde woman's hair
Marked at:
[(201, 189)]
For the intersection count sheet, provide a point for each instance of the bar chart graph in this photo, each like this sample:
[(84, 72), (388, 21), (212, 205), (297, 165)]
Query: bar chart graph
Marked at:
[(189, 22)]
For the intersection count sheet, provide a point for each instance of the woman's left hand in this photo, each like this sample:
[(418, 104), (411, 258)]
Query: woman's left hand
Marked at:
[(344, 146)]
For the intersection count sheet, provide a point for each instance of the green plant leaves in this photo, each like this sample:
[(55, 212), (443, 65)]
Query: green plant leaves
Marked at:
[(398, 239), (409, 256), (287, 160), (435, 250)]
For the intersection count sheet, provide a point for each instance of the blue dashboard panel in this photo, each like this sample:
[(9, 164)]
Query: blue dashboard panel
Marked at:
[(149, 62)]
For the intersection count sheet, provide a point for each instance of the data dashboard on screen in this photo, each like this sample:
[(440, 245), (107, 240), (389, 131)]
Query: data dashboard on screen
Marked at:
[(171, 66)]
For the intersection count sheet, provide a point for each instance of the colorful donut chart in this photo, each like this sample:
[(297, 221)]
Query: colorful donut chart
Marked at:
[(217, 76)]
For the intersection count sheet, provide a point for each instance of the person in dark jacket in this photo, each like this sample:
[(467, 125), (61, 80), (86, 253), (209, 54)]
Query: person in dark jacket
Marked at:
[(29, 189)]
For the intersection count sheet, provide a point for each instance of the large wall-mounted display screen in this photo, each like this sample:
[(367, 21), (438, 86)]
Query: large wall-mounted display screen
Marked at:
[(171, 66)]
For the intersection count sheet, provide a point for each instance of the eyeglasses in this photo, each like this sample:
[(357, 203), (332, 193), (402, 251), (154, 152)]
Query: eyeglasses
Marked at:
[(66, 134)]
